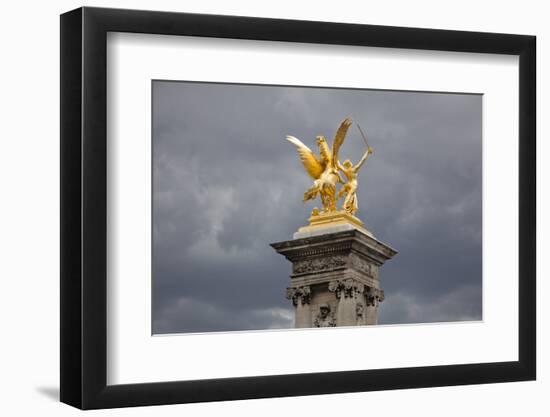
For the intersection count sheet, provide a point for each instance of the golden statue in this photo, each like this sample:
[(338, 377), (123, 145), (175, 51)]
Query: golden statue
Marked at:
[(349, 189), (324, 171)]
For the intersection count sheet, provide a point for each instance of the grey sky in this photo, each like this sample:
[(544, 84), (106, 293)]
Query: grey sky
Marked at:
[(226, 183)]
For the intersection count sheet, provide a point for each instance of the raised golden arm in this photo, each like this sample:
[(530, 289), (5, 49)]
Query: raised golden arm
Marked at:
[(363, 159)]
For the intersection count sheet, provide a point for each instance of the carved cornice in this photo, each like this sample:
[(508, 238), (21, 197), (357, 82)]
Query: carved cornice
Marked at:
[(339, 246), (345, 243)]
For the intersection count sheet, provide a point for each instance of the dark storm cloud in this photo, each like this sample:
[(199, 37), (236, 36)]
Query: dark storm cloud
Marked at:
[(226, 184)]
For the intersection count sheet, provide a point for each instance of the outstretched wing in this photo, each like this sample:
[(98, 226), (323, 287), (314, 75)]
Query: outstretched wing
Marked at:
[(312, 165), (339, 140)]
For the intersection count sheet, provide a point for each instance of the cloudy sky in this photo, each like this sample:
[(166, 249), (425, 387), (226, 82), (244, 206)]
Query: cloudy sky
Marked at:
[(226, 183)]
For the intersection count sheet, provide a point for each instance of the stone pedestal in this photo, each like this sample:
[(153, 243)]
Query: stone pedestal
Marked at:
[(335, 278)]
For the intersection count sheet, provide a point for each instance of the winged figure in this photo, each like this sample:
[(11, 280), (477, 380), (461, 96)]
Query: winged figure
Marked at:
[(323, 168)]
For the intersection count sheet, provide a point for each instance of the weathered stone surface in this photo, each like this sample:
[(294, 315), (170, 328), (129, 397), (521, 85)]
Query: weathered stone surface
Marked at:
[(301, 297), (335, 277)]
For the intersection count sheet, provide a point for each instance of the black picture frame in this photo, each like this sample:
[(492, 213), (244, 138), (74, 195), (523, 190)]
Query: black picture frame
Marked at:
[(84, 207)]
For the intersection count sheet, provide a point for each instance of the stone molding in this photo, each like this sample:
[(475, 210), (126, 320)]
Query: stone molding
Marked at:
[(343, 247)]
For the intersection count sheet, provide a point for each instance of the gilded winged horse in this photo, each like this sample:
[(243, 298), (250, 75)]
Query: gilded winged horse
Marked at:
[(323, 169)]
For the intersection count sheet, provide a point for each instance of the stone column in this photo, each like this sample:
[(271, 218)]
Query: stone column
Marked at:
[(335, 277), (301, 297), (373, 298), (350, 295)]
